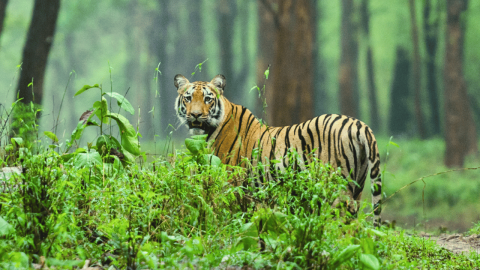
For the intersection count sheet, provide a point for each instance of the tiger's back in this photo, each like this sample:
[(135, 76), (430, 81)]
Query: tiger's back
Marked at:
[(339, 140)]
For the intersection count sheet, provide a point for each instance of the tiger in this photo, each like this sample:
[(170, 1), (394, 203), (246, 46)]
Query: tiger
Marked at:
[(339, 140)]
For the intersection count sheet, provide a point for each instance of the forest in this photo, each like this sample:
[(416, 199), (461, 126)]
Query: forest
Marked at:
[(408, 69)]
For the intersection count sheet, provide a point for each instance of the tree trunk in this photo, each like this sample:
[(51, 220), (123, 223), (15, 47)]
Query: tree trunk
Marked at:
[(226, 18), (157, 45), (400, 115), (304, 40), (372, 91), (281, 110), (292, 67), (3, 9), (36, 50), (416, 69), (240, 76), (348, 62), (459, 123), (266, 40), (430, 26)]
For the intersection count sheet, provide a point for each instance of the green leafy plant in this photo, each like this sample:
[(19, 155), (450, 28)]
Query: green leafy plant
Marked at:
[(199, 152), (108, 147)]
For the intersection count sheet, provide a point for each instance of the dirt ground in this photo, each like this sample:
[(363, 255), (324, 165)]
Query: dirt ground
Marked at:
[(456, 243)]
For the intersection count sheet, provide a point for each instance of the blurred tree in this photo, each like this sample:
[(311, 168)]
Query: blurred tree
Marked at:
[(372, 91), (36, 50), (268, 22), (460, 133), (157, 51), (417, 72), (228, 15), (400, 114), (3, 9), (348, 75), (227, 12), (293, 63), (431, 15)]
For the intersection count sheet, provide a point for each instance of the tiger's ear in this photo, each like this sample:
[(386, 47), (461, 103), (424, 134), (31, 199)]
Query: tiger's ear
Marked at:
[(219, 82), (180, 81)]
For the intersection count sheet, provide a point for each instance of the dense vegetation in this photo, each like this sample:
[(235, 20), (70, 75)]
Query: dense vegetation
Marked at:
[(183, 210)]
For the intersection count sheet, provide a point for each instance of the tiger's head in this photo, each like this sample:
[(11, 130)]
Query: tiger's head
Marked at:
[(199, 104)]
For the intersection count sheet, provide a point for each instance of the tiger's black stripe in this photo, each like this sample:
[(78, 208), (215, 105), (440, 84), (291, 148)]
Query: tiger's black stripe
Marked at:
[(335, 139)]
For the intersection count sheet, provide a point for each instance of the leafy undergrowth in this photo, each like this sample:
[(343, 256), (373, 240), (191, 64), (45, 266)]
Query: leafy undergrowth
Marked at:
[(192, 212), (186, 210)]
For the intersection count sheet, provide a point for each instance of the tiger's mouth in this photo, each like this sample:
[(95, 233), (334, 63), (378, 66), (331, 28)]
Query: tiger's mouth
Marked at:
[(197, 124)]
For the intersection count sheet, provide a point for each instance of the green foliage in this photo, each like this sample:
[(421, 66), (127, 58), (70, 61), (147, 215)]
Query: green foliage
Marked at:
[(108, 146), (185, 213), (24, 124), (199, 152)]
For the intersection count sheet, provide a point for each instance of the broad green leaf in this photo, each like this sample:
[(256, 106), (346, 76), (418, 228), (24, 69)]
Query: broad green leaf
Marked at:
[(210, 159), (5, 227), (166, 237), (127, 133), (122, 102), (343, 256), (249, 236), (101, 110), (87, 159), (17, 141), (194, 146), (369, 261), (51, 135), (249, 229), (128, 156), (109, 142), (248, 242), (85, 88), (377, 232)]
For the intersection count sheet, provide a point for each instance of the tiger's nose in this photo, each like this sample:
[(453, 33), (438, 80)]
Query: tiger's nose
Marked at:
[(196, 115)]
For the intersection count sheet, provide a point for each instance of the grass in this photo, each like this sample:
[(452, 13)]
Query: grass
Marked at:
[(450, 200), (181, 214), (187, 210)]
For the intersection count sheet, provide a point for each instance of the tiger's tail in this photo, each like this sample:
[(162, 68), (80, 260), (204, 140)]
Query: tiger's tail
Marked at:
[(375, 176)]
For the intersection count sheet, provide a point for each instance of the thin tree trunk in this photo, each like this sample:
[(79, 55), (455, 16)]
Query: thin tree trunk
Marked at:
[(3, 9), (430, 26), (36, 50), (458, 116), (400, 115), (226, 17), (241, 75), (158, 47), (348, 62), (372, 91), (319, 68), (265, 55), (416, 68)]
